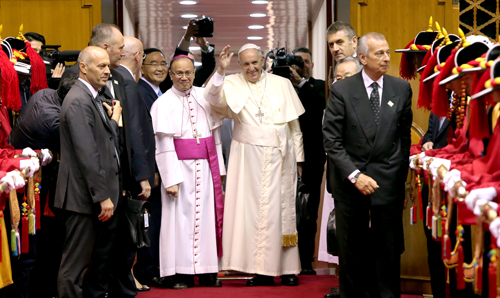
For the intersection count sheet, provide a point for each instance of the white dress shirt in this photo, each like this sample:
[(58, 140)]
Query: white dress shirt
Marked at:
[(368, 82), (92, 90)]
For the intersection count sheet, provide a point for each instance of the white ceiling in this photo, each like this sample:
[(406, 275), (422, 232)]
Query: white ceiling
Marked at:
[(286, 21)]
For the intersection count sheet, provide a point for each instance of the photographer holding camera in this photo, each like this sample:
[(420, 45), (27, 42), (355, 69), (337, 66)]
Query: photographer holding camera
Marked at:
[(205, 70), (311, 93), (54, 70)]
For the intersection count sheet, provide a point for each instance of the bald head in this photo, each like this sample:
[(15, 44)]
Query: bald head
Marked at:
[(134, 51), (94, 66)]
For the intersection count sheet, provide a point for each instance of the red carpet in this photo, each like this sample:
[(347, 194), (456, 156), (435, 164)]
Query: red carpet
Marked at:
[(310, 286)]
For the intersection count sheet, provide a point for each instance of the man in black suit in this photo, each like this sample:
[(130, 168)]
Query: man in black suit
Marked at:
[(134, 167), (437, 133), (367, 139), (154, 71), (130, 66), (87, 187), (312, 95)]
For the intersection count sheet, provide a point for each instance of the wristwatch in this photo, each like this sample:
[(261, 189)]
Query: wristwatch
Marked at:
[(355, 178)]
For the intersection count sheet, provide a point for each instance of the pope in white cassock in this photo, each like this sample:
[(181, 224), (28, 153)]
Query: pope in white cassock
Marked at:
[(189, 159), (259, 233)]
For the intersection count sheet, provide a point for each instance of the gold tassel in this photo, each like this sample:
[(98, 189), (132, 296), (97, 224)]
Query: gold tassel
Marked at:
[(31, 220), (13, 244), (290, 240), (30, 193)]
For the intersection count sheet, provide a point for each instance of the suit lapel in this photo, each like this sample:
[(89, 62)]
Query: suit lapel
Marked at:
[(361, 106), (443, 127), (387, 111), (94, 103)]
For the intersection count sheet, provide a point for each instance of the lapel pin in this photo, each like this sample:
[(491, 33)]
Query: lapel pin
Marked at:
[(390, 103), (116, 82)]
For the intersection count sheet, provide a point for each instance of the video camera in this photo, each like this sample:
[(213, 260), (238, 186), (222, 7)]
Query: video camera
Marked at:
[(205, 27), (282, 61), (52, 54)]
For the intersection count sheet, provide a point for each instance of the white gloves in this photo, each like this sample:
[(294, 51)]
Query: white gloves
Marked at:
[(487, 194), (13, 180), (448, 186), (412, 165), (29, 152), (33, 164), (452, 173), (47, 158), (480, 203), (436, 163), (495, 229)]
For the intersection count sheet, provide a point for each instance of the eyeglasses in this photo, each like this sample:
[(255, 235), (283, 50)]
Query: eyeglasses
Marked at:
[(181, 74), (156, 64)]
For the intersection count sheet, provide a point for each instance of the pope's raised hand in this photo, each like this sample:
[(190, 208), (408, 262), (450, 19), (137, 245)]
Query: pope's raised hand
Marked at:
[(224, 60)]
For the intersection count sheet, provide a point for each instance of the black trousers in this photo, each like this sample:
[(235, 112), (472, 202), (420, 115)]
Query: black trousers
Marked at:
[(308, 226), (148, 259), (96, 258), (369, 257), (434, 258)]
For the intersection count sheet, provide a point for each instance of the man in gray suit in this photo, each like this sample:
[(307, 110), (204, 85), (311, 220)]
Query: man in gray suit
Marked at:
[(87, 186), (367, 138)]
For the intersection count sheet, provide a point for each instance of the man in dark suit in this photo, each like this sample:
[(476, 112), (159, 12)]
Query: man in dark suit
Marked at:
[(134, 167), (130, 66), (367, 140), (87, 187), (437, 133), (311, 93), (154, 71)]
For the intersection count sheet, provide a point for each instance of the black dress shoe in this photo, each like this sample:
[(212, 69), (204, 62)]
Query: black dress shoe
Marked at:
[(143, 288), (209, 280), (182, 281), (289, 280), (179, 285), (334, 293), (261, 280), (158, 282), (308, 271)]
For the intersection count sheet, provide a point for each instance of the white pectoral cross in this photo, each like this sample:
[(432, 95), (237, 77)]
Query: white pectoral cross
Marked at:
[(260, 115), (197, 136)]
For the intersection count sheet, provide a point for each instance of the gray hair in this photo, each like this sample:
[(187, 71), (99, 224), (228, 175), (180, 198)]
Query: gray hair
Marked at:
[(101, 34), (341, 26), (363, 42), (359, 66)]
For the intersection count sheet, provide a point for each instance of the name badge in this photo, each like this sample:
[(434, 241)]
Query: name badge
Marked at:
[(390, 103)]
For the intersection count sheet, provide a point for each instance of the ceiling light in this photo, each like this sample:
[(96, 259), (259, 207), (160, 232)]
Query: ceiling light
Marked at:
[(194, 48), (188, 16), (254, 37), (188, 2), (260, 2), (255, 27), (257, 15)]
